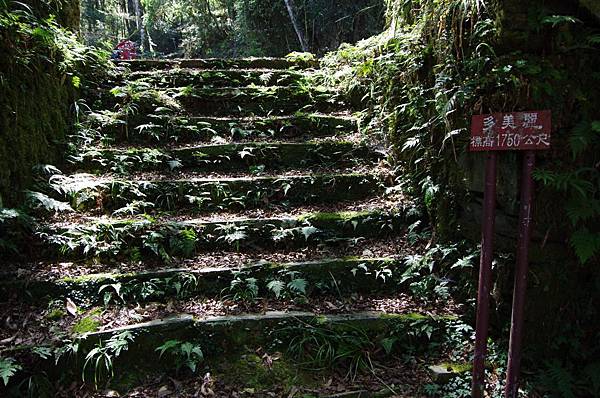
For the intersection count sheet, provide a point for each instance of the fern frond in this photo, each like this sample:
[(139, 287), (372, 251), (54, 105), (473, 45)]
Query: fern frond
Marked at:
[(277, 287), (586, 244), (39, 200)]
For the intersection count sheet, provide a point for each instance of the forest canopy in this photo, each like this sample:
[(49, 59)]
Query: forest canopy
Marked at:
[(211, 28)]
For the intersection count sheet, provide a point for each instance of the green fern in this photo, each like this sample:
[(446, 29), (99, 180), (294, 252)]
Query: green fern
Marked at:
[(586, 244), (8, 368), (558, 379), (582, 136), (277, 287), (556, 20), (298, 286), (186, 354), (38, 200)]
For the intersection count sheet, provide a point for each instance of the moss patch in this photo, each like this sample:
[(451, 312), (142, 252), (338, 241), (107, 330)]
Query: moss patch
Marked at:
[(253, 372), (89, 323), (56, 314)]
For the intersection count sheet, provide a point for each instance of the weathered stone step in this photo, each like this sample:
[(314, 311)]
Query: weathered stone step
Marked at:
[(218, 77), (166, 129), (327, 276), (133, 238), (221, 341), (222, 101), (272, 100), (222, 63), (203, 194), (225, 157)]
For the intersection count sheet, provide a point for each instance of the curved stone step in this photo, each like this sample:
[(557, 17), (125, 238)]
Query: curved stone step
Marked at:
[(327, 276), (170, 129), (220, 63), (217, 194), (225, 157), (134, 238)]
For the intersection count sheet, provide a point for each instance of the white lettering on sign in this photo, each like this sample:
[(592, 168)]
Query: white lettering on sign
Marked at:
[(488, 124), (508, 122), (511, 131)]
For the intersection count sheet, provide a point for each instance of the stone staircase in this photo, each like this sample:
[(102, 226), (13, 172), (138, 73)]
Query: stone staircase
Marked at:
[(228, 218)]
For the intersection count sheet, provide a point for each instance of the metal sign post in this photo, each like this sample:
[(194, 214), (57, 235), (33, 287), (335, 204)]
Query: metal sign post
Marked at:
[(485, 275), (527, 131), (518, 308)]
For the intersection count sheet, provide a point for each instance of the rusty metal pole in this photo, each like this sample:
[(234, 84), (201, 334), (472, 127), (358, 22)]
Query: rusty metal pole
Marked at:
[(520, 288), (485, 276)]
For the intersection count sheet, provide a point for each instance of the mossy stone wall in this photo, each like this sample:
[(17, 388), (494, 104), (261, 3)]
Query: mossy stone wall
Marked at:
[(35, 101)]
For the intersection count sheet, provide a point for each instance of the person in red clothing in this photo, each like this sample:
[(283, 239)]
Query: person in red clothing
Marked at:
[(126, 49)]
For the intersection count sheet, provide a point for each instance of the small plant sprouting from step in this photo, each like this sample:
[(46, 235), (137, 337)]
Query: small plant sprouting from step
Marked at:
[(280, 235), (182, 285), (378, 269), (232, 234), (184, 243), (102, 356), (320, 346), (242, 288), (288, 284), (186, 354)]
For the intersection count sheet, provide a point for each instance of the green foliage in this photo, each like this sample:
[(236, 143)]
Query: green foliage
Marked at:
[(242, 288), (15, 227), (186, 354), (288, 284), (102, 356), (184, 244), (324, 347), (232, 234), (213, 28), (558, 379), (579, 184), (8, 368), (43, 65), (181, 285), (418, 87), (556, 20), (41, 201), (86, 324), (439, 62)]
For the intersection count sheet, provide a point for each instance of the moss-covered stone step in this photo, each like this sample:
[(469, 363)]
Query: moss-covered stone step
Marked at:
[(204, 194), (300, 62), (218, 78), (272, 100), (222, 344), (327, 276), (137, 100), (162, 129), (136, 238), (226, 157)]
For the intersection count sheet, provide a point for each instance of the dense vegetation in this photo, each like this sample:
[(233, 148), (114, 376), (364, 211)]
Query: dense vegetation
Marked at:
[(436, 63), (210, 28), (41, 69), (441, 61)]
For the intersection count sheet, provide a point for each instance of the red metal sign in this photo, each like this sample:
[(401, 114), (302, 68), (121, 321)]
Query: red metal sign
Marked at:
[(511, 131)]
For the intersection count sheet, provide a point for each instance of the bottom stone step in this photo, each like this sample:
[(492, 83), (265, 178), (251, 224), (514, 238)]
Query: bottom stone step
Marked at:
[(125, 355)]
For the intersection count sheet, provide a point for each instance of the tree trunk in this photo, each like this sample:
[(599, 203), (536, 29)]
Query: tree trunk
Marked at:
[(290, 7), (140, 24)]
